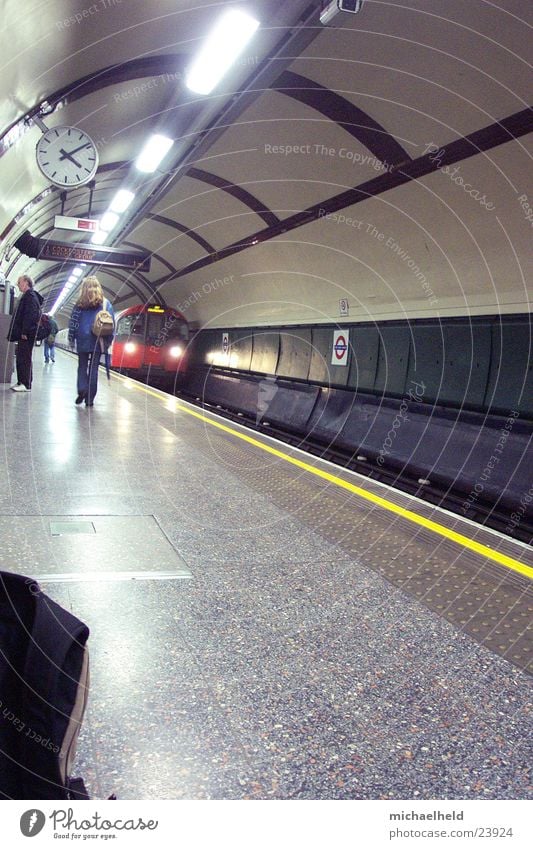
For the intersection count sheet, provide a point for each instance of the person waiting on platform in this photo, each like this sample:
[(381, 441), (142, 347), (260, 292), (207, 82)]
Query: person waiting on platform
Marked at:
[(50, 341), (89, 346), (23, 329)]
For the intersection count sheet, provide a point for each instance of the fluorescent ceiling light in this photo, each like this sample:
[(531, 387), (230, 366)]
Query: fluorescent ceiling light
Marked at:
[(76, 271), (152, 153), (108, 221), (99, 237), (221, 49), (121, 201)]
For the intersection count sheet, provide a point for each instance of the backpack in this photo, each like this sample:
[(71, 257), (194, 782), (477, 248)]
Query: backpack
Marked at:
[(103, 324), (44, 679), (44, 328)]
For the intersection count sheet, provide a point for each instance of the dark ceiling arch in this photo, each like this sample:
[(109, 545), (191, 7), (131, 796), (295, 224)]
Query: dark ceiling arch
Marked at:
[(348, 116), (237, 192), (156, 256), (182, 229)]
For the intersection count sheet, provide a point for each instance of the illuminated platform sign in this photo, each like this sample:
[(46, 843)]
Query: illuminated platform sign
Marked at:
[(88, 225), (90, 254)]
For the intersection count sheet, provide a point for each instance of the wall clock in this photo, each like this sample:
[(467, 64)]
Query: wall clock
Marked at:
[(67, 156)]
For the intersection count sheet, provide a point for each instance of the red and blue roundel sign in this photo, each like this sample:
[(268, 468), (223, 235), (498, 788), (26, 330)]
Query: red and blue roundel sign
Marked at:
[(341, 340)]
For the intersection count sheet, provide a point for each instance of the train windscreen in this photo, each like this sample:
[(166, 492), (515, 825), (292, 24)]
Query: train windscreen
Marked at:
[(164, 327), (131, 325)]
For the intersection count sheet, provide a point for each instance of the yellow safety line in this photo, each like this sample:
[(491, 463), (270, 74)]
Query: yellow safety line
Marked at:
[(429, 524)]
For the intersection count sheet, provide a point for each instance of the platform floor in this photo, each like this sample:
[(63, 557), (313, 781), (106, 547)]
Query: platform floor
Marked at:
[(256, 631)]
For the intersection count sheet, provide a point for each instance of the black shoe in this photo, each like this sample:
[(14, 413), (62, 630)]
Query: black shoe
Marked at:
[(80, 398), (89, 404)]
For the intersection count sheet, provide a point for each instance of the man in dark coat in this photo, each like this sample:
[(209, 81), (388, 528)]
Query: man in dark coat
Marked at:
[(23, 329)]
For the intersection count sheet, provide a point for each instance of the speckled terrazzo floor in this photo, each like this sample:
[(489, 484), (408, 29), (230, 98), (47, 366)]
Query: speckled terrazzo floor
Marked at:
[(283, 665)]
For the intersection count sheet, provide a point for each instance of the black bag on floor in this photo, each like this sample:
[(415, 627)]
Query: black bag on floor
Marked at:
[(44, 680)]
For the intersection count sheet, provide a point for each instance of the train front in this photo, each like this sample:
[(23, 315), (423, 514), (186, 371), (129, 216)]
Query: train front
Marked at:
[(149, 340)]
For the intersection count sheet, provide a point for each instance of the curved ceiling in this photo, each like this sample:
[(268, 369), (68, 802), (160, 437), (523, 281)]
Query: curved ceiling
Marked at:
[(385, 160)]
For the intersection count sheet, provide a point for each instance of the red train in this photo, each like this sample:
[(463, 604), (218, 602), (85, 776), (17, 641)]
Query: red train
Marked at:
[(149, 338)]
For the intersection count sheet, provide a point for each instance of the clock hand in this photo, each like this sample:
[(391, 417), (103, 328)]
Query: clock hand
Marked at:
[(68, 156), (86, 144)]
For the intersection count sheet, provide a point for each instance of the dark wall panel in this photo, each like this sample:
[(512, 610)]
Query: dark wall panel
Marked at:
[(241, 346), (290, 406), (467, 351), (330, 413), (393, 361), (426, 361), (364, 342), (321, 368), (265, 352), (510, 385), (295, 354)]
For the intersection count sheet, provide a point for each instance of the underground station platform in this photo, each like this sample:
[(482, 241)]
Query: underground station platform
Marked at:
[(263, 624)]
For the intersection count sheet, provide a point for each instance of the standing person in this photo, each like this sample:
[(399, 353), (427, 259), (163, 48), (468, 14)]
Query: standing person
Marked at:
[(89, 347), (50, 341), (23, 329)]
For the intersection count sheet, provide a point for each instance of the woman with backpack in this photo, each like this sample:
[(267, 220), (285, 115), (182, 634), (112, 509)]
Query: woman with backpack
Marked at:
[(90, 331)]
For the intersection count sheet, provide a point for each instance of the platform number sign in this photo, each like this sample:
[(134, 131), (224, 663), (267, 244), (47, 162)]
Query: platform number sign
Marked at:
[(225, 343), (341, 340), (343, 307)]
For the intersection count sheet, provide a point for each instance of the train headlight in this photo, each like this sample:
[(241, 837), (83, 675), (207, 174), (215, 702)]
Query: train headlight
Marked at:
[(130, 347), (176, 351)]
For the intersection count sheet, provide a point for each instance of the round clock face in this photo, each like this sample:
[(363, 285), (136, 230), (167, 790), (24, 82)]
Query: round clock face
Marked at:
[(67, 156)]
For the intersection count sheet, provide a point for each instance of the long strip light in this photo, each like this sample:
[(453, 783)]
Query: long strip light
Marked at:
[(121, 201), (155, 149), (221, 49)]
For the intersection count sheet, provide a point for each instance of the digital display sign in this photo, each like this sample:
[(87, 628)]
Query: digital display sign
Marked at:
[(65, 252)]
